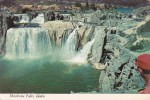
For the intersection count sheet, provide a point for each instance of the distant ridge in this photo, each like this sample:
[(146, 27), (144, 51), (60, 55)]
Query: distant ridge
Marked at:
[(117, 2)]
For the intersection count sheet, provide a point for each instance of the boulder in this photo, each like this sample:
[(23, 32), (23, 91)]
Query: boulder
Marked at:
[(99, 66)]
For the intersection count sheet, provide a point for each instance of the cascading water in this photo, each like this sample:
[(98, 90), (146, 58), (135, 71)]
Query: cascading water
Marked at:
[(50, 70), (86, 49), (72, 41), (24, 19), (64, 38), (27, 42), (83, 55), (39, 19)]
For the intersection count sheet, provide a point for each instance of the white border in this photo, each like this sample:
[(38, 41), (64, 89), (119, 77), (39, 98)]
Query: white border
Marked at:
[(79, 97)]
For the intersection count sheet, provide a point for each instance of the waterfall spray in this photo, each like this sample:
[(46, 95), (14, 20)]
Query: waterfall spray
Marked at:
[(39, 19), (29, 42), (82, 56)]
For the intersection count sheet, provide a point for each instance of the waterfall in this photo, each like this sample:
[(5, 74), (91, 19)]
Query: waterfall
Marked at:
[(24, 19), (65, 37), (39, 19), (83, 55), (86, 50), (30, 42), (72, 41)]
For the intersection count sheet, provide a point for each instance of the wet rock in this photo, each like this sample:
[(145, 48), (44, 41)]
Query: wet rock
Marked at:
[(6, 22), (87, 34)]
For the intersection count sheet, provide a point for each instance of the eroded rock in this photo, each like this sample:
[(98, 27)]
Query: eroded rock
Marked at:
[(98, 45), (6, 22)]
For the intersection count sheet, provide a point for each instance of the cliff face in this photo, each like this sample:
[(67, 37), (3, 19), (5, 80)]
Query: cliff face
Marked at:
[(118, 72), (6, 22), (126, 2), (144, 26), (130, 3), (57, 30), (138, 37)]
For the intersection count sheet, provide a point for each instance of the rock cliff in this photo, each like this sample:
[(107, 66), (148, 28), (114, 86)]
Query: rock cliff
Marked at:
[(6, 22)]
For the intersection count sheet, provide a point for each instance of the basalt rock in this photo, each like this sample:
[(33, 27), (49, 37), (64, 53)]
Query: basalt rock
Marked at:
[(144, 26), (138, 37), (6, 22), (32, 15), (120, 75), (49, 16), (87, 34), (57, 30), (97, 48)]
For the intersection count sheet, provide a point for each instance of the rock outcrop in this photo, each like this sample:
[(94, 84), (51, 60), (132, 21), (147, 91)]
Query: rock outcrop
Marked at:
[(98, 45), (138, 37), (58, 29), (144, 26), (6, 22), (118, 71)]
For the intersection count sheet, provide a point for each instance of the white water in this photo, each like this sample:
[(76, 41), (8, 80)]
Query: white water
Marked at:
[(86, 49), (24, 18), (27, 42), (39, 19), (83, 55), (72, 41)]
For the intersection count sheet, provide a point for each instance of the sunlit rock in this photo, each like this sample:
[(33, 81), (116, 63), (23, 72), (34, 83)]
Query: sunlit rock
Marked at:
[(98, 45)]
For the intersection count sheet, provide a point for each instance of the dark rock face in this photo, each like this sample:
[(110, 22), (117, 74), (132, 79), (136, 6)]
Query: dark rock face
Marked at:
[(120, 75), (6, 22), (49, 16), (129, 3), (32, 15), (144, 28)]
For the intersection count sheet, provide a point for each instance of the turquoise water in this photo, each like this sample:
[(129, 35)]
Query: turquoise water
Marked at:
[(124, 10), (46, 75)]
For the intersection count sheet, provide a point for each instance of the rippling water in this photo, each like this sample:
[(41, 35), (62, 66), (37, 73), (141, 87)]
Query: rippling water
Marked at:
[(46, 75)]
